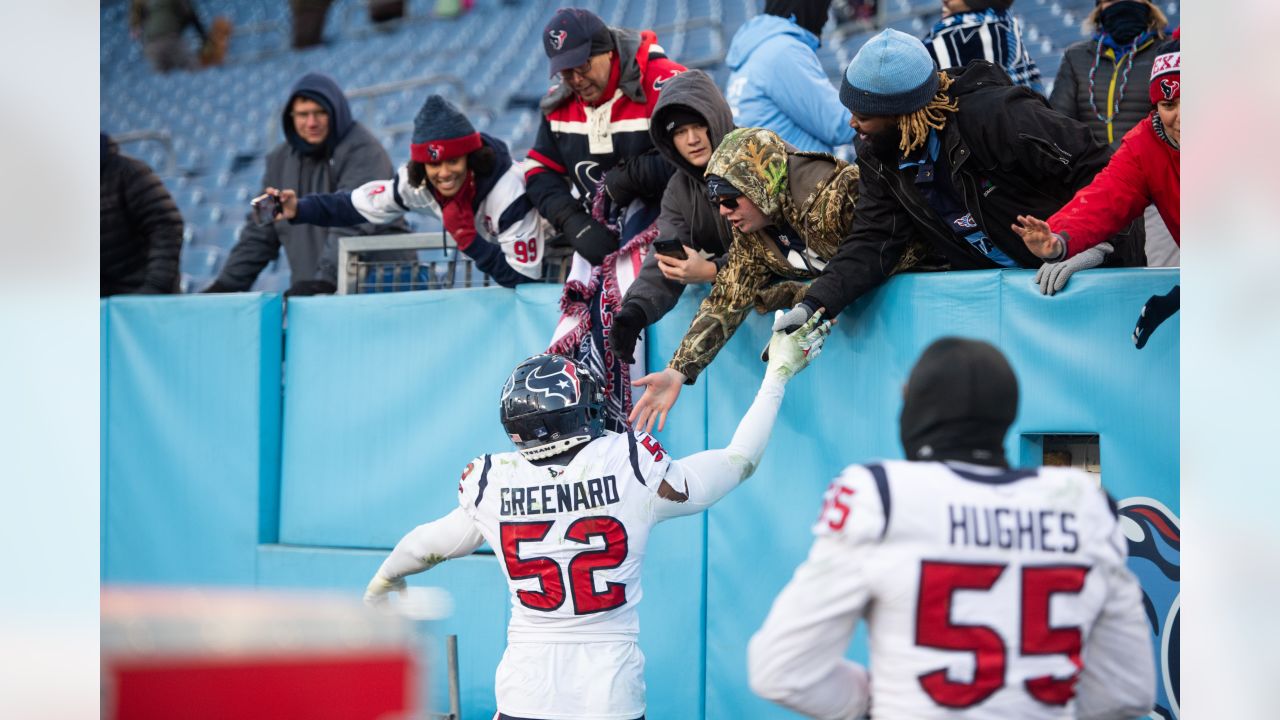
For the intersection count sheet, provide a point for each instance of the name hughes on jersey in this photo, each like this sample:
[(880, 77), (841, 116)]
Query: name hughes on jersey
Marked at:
[(1013, 528), (565, 497)]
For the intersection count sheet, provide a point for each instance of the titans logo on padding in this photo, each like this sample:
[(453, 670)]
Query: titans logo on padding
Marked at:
[(562, 385), (1154, 538)]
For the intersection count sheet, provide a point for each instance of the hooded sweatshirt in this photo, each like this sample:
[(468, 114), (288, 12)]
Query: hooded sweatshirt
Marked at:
[(687, 215), (960, 400), (349, 157), (140, 225), (810, 197), (778, 83), (508, 242)]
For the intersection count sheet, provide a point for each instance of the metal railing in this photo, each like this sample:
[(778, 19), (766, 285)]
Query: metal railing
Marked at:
[(161, 136), (452, 269), (714, 24)]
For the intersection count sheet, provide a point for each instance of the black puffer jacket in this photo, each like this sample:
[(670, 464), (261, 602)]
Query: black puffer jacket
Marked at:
[(141, 228), (687, 215), (1010, 155), (1071, 89)]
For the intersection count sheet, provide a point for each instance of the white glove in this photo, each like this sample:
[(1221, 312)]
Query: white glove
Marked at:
[(789, 353), (1052, 277), (375, 594)]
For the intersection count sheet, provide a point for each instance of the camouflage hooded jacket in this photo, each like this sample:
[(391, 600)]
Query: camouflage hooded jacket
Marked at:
[(815, 193)]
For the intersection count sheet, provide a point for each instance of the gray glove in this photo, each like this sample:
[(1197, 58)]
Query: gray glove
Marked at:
[(790, 320), (789, 353), (1052, 277)]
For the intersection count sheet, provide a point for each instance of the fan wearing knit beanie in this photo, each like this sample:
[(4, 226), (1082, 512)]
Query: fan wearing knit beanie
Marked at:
[(463, 177), (982, 30), (1145, 170), (949, 158)]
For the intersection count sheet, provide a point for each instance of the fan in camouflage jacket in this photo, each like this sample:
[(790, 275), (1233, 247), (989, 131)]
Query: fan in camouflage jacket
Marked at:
[(812, 192)]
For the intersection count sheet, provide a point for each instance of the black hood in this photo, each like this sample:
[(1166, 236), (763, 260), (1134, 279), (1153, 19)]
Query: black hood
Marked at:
[(322, 89), (696, 91), (961, 398), (810, 14)]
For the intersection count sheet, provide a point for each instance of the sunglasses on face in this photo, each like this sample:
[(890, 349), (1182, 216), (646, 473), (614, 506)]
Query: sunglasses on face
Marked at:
[(721, 192)]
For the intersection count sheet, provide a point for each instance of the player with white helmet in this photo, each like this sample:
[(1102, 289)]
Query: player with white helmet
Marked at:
[(989, 592), (569, 515)]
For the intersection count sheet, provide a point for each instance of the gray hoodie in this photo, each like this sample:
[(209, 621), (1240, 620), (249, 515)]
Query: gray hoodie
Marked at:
[(687, 215), (349, 157)]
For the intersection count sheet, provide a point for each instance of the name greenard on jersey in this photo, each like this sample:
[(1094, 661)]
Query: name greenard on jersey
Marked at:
[(1013, 528), (559, 498)]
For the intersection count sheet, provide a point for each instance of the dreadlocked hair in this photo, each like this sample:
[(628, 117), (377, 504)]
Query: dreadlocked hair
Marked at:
[(914, 127)]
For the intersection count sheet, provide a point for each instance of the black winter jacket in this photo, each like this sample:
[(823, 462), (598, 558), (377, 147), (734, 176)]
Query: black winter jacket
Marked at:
[(141, 228), (1010, 154), (687, 215), (1071, 89)]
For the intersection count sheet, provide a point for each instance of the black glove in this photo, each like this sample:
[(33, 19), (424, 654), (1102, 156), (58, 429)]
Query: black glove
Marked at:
[(591, 239), (217, 287), (627, 325), (1158, 309), (311, 287), (619, 185)]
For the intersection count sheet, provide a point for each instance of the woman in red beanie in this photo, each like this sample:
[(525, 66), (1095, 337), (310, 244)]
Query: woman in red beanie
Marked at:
[(463, 177)]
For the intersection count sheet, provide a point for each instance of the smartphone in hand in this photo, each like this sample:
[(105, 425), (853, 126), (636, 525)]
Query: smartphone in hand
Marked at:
[(670, 248), (265, 208)]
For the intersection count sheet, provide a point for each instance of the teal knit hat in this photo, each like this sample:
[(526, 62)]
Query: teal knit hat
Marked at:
[(891, 75)]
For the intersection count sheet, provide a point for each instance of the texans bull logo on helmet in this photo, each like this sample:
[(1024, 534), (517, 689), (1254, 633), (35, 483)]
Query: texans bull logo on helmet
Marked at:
[(557, 38), (559, 384), (1154, 537)]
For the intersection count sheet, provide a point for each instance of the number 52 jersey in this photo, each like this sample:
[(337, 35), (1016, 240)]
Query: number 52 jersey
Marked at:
[(571, 538)]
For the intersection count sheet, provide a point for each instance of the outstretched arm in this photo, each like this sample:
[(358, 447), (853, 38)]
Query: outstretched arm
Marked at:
[(697, 482), (796, 659), (426, 546)]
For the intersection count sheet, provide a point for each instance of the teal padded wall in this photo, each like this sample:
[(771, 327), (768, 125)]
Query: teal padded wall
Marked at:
[(1078, 372), (387, 398), (384, 399), (191, 408)]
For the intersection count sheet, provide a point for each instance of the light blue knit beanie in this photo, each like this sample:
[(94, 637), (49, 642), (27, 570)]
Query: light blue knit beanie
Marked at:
[(891, 75)]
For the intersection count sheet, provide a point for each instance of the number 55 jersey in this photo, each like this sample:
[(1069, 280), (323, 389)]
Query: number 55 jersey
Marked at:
[(989, 593)]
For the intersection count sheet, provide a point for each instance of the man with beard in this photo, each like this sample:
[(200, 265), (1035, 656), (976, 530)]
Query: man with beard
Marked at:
[(951, 158)]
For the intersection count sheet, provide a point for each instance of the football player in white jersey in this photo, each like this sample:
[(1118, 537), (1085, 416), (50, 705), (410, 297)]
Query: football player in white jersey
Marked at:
[(569, 515), (989, 592)]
